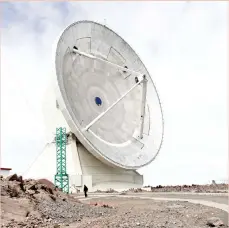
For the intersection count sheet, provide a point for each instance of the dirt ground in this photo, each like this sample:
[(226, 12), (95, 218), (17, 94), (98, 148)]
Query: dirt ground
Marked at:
[(31, 203), (134, 212)]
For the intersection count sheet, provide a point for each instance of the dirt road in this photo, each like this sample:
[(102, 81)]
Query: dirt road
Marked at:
[(217, 198), (133, 212)]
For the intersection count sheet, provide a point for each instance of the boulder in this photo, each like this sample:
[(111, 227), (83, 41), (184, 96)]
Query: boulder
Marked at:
[(13, 177), (215, 222)]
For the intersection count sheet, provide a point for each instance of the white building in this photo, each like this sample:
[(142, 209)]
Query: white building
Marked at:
[(5, 172)]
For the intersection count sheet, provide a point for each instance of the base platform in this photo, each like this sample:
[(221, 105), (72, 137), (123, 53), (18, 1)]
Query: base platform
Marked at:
[(84, 168)]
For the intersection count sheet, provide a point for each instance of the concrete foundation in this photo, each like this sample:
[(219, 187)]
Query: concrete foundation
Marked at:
[(84, 168)]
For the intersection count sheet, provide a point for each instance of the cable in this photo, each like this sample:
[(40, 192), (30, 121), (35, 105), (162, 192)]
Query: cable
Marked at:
[(42, 151)]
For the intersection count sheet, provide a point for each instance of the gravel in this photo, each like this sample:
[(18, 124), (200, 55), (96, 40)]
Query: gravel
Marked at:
[(134, 212), (209, 188), (67, 212), (31, 203)]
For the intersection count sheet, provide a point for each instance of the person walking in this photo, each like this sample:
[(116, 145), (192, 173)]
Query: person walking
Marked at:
[(85, 189)]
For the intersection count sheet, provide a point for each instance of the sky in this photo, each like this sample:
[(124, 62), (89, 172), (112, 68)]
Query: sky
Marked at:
[(184, 45)]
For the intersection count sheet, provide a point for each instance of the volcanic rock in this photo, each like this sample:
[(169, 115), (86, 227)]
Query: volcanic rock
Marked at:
[(214, 222)]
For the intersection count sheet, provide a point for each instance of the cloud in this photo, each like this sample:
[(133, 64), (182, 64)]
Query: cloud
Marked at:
[(184, 46)]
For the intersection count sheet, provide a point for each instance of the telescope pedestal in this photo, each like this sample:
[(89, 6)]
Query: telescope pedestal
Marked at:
[(84, 168)]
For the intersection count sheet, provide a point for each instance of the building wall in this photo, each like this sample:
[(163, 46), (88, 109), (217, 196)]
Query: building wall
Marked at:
[(5, 173), (102, 173), (83, 168)]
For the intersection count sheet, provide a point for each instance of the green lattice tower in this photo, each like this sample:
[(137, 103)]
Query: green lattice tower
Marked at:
[(61, 177)]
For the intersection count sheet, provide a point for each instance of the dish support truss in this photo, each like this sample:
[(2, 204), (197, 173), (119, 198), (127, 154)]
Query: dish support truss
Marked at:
[(140, 78), (61, 177)]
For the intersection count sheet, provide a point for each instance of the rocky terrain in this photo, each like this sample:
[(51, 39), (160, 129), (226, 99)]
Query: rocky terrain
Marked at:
[(219, 188), (194, 188), (211, 188), (37, 203), (30, 203), (134, 213)]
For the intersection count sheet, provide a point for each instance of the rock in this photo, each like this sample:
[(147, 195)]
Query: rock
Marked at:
[(50, 191), (123, 193), (20, 179), (52, 197), (47, 183), (175, 206), (33, 187), (35, 214), (13, 177), (14, 191), (47, 207), (110, 190), (30, 192), (214, 222), (22, 186)]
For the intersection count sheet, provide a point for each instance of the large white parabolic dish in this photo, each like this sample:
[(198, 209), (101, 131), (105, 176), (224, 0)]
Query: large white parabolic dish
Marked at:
[(124, 131)]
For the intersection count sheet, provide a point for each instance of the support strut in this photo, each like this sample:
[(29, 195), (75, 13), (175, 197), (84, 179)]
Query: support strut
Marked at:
[(116, 102), (140, 79), (144, 91), (105, 61)]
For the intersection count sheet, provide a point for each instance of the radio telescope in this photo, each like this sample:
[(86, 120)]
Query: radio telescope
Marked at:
[(107, 101)]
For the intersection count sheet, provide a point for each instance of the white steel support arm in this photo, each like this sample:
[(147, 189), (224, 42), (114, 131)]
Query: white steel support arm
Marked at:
[(105, 61), (144, 91), (116, 102)]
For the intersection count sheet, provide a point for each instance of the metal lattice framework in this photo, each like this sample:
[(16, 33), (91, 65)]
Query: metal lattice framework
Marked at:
[(61, 177)]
